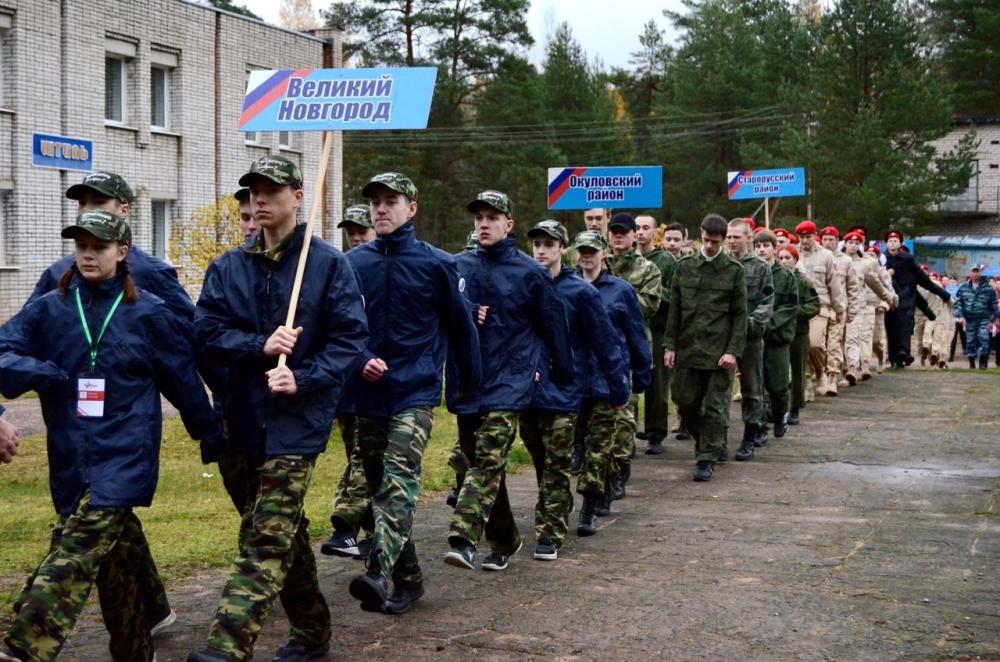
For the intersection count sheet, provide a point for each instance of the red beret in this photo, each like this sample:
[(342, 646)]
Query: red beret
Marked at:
[(751, 223), (925, 267), (793, 238), (830, 231), (805, 227), (873, 249), (934, 274), (791, 249), (894, 233), (855, 235), (780, 232), (759, 230)]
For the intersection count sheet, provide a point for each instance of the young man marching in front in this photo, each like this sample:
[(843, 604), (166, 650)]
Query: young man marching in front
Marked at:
[(278, 416), (519, 312), (413, 300)]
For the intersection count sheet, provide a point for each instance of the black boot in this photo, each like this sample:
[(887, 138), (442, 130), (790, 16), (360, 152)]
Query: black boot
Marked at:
[(780, 424), (402, 598), (683, 434), (703, 472), (618, 486), (745, 452), (372, 587), (654, 447), (984, 361), (588, 518), (972, 363), (603, 508), (723, 453), (793, 418), (760, 436)]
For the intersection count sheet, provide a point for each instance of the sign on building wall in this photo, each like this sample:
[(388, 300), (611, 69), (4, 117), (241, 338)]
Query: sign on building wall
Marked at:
[(752, 184), (62, 152), (623, 187), (338, 99)]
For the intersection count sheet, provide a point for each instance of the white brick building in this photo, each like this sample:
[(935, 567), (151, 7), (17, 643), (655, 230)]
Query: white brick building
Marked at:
[(157, 85), (977, 210)]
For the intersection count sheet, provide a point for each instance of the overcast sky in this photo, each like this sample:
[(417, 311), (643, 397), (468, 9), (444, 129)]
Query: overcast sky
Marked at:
[(611, 36)]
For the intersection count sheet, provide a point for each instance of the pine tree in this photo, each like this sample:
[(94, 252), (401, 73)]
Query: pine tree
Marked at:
[(969, 32)]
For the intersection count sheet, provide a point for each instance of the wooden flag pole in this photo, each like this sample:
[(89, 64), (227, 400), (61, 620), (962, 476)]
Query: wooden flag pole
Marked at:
[(314, 208), (767, 213)]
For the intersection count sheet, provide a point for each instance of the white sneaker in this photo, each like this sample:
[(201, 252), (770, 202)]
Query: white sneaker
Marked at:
[(164, 624)]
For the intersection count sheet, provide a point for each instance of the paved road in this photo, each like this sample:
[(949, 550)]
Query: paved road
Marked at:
[(872, 531)]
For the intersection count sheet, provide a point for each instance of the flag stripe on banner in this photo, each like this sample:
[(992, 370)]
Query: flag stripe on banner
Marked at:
[(734, 186), (561, 183), (267, 92)]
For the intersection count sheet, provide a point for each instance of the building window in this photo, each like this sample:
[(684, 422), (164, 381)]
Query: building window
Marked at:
[(161, 228), (114, 89), (285, 139), (968, 200), (159, 95)]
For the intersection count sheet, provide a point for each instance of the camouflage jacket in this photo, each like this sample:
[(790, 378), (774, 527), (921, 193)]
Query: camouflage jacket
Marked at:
[(708, 311), (667, 264), (975, 303), (781, 326), (641, 274), (760, 295)]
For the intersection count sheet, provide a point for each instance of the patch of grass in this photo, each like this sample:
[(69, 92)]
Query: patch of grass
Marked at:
[(192, 524)]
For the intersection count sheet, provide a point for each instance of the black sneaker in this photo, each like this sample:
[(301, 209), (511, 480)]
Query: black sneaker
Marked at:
[(402, 598), (723, 454), (545, 550), (370, 588), (341, 543), (703, 472), (364, 549), (462, 555), (496, 561), (654, 447), (296, 651), (452, 499), (793, 417)]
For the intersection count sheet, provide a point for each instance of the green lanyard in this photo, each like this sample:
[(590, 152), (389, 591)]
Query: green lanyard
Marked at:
[(86, 329)]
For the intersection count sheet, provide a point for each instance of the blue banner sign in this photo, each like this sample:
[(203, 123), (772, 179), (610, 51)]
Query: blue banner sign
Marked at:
[(622, 187), (338, 99), (62, 152), (751, 184)]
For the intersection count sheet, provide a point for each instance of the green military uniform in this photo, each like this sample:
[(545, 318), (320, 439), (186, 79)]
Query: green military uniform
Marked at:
[(656, 424), (351, 504), (809, 307), (708, 318), (548, 436), (760, 304), (645, 277), (778, 337)]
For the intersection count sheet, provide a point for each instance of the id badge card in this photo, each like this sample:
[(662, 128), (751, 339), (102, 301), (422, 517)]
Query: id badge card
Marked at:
[(90, 397)]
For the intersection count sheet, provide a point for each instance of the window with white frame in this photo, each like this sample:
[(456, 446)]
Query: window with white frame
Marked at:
[(114, 89), (285, 139), (159, 97), (161, 228)]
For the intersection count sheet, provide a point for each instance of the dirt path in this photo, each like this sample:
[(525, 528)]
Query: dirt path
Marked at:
[(872, 531)]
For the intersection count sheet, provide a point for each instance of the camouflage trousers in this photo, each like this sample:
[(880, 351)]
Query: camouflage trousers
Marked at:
[(392, 450), (92, 545), (275, 560), (799, 358), (623, 440), (351, 504), (977, 337), (596, 426), (703, 399), (655, 420), (548, 436), (751, 366), (483, 505)]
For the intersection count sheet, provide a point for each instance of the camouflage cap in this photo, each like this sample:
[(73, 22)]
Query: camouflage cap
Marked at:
[(472, 241), (359, 215), (393, 181), (552, 229), (276, 168), (591, 239), (499, 201), (242, 195), (102, 224), (107, 184)]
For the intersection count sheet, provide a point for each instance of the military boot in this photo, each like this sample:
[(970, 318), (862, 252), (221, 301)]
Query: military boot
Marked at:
[(703, 471), (831, 384), (603, 508), (793, 418), (578, 451), (984, 361), (972, 363), (760, 436), (780, 424), (745, 452), (372, 587), (588, 517)]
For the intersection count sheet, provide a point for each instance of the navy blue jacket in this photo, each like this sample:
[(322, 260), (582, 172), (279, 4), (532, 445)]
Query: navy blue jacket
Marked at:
[(415, 311), (626, 316), (526, 314), (594, 349), (906, 275), (243, 301), (144, 352), (149, 273)]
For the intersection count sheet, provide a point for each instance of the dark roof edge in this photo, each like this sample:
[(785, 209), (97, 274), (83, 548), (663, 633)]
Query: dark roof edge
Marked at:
[(193, 3)]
